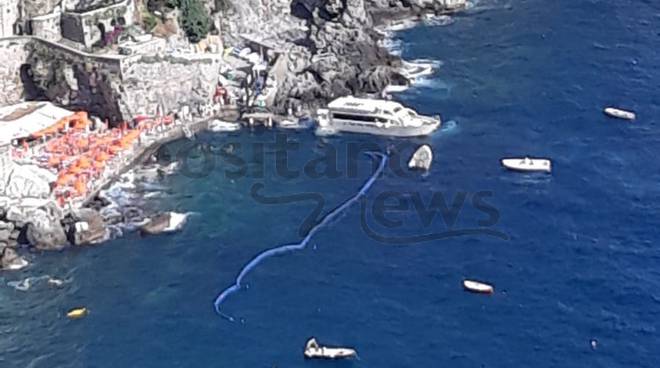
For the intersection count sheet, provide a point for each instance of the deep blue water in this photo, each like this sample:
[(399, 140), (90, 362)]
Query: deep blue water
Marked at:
[(581, 263)]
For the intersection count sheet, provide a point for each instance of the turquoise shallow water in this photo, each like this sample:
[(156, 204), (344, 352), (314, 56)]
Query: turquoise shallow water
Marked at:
[(518, 77)]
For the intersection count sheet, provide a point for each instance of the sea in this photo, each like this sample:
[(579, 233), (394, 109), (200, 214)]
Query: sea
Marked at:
[(573, 255)]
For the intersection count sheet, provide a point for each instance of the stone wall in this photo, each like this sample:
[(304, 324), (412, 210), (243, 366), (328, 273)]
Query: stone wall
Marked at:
[(169, 82), (14, 56), (39, 69), (114, 88)]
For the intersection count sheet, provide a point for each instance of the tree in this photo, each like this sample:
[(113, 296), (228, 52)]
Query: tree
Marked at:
[(194, 19)]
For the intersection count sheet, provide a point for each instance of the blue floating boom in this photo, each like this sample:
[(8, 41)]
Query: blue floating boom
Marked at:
[(300, 246)]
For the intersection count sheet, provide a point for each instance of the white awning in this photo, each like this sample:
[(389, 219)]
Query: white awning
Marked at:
[(23, 119)]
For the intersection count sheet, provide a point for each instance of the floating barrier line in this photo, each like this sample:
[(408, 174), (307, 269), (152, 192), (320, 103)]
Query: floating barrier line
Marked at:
[(286, 248)]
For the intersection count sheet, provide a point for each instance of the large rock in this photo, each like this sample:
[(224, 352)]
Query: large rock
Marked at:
[(10, 260), (24, 181), (45, 231), (5, 234), (89, 229), (157, 224), (6, 226), (164, 223)]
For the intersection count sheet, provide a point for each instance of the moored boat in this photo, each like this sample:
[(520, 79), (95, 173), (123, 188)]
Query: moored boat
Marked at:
[(526, 164), (477, 287), (77, 313), (223, 126), (414, 71), (314, 351), (400, 25), (373, 116), (396, 88), (619, 113), (422, 158)]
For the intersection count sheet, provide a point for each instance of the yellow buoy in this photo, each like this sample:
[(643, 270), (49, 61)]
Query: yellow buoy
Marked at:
[(77, 313)]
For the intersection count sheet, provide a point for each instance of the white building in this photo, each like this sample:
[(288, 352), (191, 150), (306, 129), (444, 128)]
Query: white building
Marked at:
[(8, 17), (23, 119)]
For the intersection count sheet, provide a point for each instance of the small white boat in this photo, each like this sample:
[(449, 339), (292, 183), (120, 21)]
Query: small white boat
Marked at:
[(314, 351), (477, 287), (527, 164), (293, 124), (414, 71), (396, 88), (619, 114), (422, 158), (400, 25), (223, 126), (177, 221)]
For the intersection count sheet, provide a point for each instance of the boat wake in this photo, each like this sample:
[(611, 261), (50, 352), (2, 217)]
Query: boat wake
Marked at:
[(449, 126), (27, 283), (305, 241)]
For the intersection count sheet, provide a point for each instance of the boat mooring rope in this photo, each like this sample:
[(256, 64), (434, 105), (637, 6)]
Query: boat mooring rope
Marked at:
[(302, 244)]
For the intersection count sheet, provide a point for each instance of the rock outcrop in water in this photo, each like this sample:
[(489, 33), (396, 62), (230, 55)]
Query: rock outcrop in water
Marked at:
[(10, 260), (88, 228)]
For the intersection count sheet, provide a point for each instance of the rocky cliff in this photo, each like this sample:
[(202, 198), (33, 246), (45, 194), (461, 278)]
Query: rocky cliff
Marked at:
[(331, 46)]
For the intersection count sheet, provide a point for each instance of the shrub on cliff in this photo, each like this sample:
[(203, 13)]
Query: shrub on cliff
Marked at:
[(194, 19), (149, 21)]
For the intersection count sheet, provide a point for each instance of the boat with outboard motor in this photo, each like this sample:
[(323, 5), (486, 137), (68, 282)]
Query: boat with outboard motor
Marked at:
[(315, 351), (374, 116), (414, 71), (477, 287), (396, 88), (526, 164), (619, 113), (422, 158)]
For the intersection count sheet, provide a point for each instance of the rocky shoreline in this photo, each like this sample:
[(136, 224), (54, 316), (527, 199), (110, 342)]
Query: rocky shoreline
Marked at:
[(44, 226), (333, 48)]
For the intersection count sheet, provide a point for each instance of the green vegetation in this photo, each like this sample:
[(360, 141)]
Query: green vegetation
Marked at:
[(149, 21), (194, 19)]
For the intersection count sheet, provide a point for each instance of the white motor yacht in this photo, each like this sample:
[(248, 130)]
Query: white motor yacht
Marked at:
[(373, 116)]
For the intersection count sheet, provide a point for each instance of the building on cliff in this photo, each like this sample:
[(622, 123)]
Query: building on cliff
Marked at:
[(89, 26), (9, 17)]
